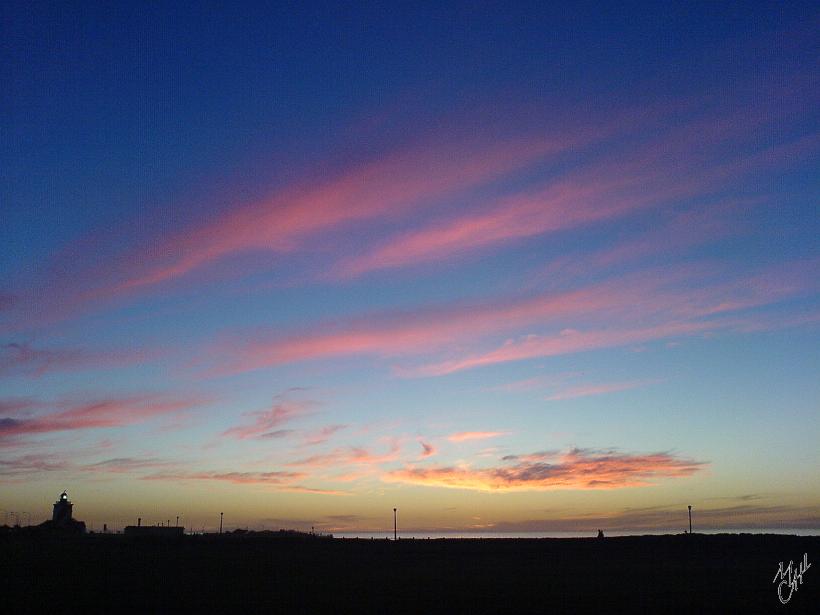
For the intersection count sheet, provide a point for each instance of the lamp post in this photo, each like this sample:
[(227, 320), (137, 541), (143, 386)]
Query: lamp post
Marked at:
[(220, 522), (690, 519), (177, 521), (395, 526)]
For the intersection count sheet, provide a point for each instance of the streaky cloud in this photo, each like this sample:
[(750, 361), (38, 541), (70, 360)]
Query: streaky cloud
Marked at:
[(576, 469), (265, 422), (106, 413)]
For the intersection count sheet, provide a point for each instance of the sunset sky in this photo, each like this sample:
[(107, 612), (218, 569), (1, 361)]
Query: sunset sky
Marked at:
[(505, 267)]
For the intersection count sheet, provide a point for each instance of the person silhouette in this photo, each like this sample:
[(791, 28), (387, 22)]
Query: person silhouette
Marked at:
[(600, 533)]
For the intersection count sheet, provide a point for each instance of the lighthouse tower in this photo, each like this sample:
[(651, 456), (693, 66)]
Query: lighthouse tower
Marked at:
[(62, 510)]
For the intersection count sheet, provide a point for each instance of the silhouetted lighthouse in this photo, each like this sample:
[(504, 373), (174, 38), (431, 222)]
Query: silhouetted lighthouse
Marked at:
[(62, 511)]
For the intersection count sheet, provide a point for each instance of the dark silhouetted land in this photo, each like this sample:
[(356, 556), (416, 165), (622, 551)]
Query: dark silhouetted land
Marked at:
[(648, 574)]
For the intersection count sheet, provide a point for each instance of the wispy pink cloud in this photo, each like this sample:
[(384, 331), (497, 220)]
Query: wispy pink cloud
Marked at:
[(575, 469), (350, 456), (116, 412), (390, 185), (646, 176), (28, 359), (18, 468), (29, 465), (313, 490), (429, 329), (666, 301), (536, 382), (427, 450), (683, 229), (556, 208), (464, 436), (394, 184), (280, 480), (568, 341), (240, 478), (322, 435), (265, 422), (128, 465), (14, 406), (589, 390)]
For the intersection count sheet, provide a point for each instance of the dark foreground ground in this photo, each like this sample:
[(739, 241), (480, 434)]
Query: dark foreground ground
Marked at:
[(649, 574)]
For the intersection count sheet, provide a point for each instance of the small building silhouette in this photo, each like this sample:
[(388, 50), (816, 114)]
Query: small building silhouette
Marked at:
[(62, 519), (63, 508)]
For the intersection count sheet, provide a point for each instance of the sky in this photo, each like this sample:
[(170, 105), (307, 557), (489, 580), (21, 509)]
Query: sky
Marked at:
[(504, 267)]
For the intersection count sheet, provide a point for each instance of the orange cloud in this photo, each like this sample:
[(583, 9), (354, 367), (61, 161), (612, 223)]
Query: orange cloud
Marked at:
[(576, 469), (463, 436)]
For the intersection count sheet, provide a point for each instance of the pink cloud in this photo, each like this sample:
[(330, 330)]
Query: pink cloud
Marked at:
[(239, 478), (644, 177), (314, 490), (282, 481), (667, 301), (101, 414), (350, 456), (18, 468), (128, 465), (265, 422), (428, 329), (589, 390), (536, 382), (391, 185), (322, 434), (567, 342), (464, 436), (35, 464), (555, 208), (427, 450), (576, 469), (17, 405), (25, 358)]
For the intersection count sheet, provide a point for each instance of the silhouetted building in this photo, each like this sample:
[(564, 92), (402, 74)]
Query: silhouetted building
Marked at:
[(62, 511), (61, 518)]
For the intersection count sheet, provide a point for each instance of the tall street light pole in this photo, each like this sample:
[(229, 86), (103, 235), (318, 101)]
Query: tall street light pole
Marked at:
[(220, 522), (690, 519), (395, 526)]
